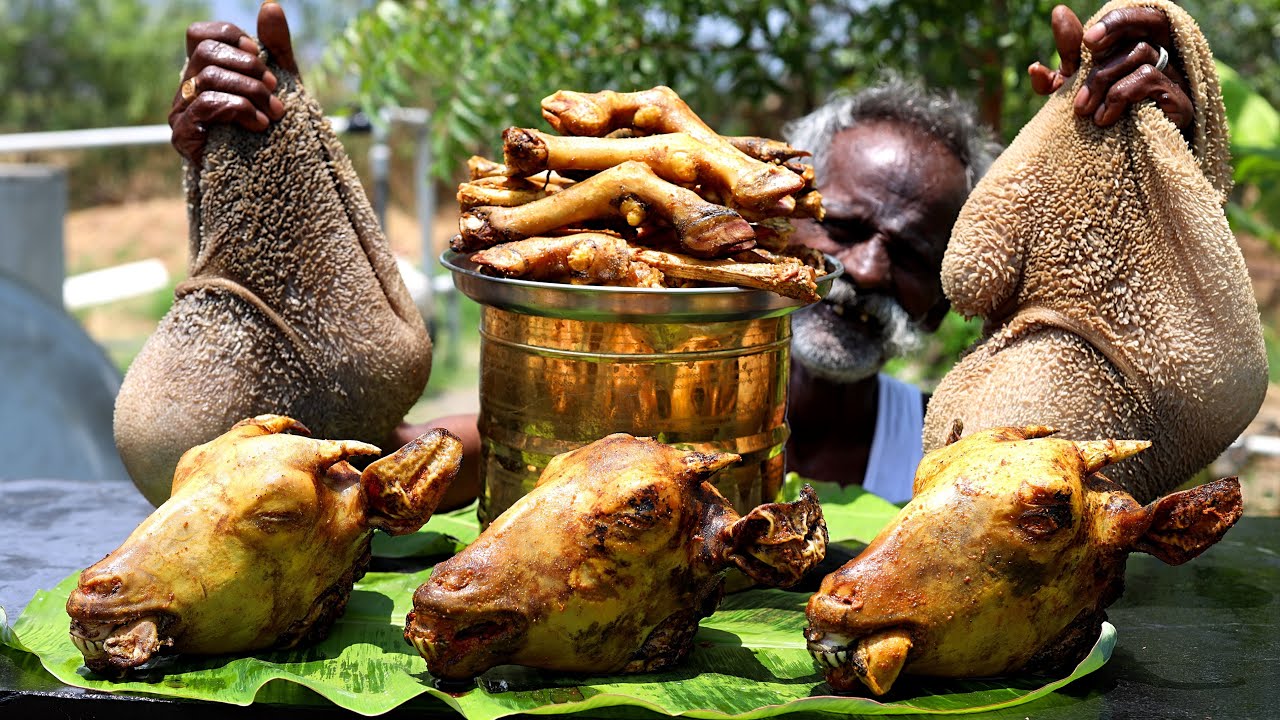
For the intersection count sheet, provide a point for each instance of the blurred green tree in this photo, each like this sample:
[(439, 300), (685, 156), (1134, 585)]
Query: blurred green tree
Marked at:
[(746, 65), (68, 65), (1244, 34)]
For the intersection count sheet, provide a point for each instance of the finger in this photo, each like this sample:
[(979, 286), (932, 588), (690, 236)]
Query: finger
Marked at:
[(218, 31), (188, 136), (1067, 32), (216, 108), (1043, 79), (213, 53), (1108, 72), (1128, 24), (1144, 84), (219, 79), (190, 126), (273, 30)]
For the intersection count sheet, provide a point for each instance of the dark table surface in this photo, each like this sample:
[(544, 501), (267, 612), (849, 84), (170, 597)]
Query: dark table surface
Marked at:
[(1197, 641)]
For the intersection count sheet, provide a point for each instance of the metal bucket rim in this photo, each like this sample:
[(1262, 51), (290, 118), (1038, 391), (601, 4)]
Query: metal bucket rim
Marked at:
[(649, 305)]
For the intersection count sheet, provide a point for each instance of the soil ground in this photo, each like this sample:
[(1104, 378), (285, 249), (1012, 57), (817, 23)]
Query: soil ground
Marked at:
[(110, 235)]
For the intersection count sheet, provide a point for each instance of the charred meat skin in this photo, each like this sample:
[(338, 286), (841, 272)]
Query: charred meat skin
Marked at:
[(606, 566)]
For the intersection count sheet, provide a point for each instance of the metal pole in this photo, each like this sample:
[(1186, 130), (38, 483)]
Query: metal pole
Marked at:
[(380, 168), (426, 206)]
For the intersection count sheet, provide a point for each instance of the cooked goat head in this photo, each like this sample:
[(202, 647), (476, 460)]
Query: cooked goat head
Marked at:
[(606, 565), (1004, 561), (258, 546)]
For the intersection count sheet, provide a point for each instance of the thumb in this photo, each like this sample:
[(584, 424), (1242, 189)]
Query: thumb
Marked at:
[(1067, 35), (273, 33)]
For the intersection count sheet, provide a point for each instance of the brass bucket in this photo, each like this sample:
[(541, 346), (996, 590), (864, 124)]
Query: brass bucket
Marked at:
[(562, 366)]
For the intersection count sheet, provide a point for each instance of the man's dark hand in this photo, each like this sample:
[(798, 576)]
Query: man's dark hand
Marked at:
[(1125, 45), (225, 81)]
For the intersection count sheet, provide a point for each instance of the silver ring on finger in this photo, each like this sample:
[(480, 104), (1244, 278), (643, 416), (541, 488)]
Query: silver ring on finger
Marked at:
[(190, 88), (1163, 61)]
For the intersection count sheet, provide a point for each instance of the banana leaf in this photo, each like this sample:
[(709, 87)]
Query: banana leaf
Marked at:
[(749, 661), (444, 534), (853, 515)]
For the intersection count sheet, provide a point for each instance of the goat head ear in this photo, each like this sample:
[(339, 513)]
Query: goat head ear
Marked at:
[(404, 488), (1186, 523)]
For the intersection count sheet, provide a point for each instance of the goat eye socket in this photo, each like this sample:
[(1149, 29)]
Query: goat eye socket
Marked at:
[(1039, 524), (275, 521)]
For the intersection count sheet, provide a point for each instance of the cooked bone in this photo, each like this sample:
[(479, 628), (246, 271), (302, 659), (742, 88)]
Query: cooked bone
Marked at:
[(481, 167), (809, 205), (536, 258), (675, 157), (704, 229), (661, 110), (788, 277), (501, 191), (590, 258), (767, 149)]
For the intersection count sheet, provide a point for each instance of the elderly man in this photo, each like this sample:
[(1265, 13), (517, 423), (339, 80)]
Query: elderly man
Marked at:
[(894, 166)]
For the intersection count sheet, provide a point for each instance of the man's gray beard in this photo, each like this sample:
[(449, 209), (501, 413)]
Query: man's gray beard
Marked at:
[(833, 349)]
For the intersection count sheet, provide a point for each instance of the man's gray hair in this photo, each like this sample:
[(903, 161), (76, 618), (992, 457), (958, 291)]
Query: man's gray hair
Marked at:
[(944, 116)]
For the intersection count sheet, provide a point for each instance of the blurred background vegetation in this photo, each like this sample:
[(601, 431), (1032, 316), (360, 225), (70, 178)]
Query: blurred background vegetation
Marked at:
[(479, 66)]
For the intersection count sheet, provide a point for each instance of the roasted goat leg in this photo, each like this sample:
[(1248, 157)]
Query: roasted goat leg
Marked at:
[(676, 157), (502, 191), (583, 258), (767, 149), (658, 111), (786, 276), (601, 259), (630, 190), (482, 167)]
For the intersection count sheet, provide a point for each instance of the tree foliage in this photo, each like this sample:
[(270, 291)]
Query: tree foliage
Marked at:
[(1246, 36), (67, 65), (746, 65)]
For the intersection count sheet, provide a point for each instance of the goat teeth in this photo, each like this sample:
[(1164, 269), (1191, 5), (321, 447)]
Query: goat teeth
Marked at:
[(88, 648), (842, 656), (830, 659)]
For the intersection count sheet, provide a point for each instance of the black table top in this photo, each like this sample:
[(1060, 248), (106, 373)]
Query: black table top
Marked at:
[(1197, 641)]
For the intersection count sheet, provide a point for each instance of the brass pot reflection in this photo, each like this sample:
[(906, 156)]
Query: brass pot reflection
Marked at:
[(550, 385), (562, 366)]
